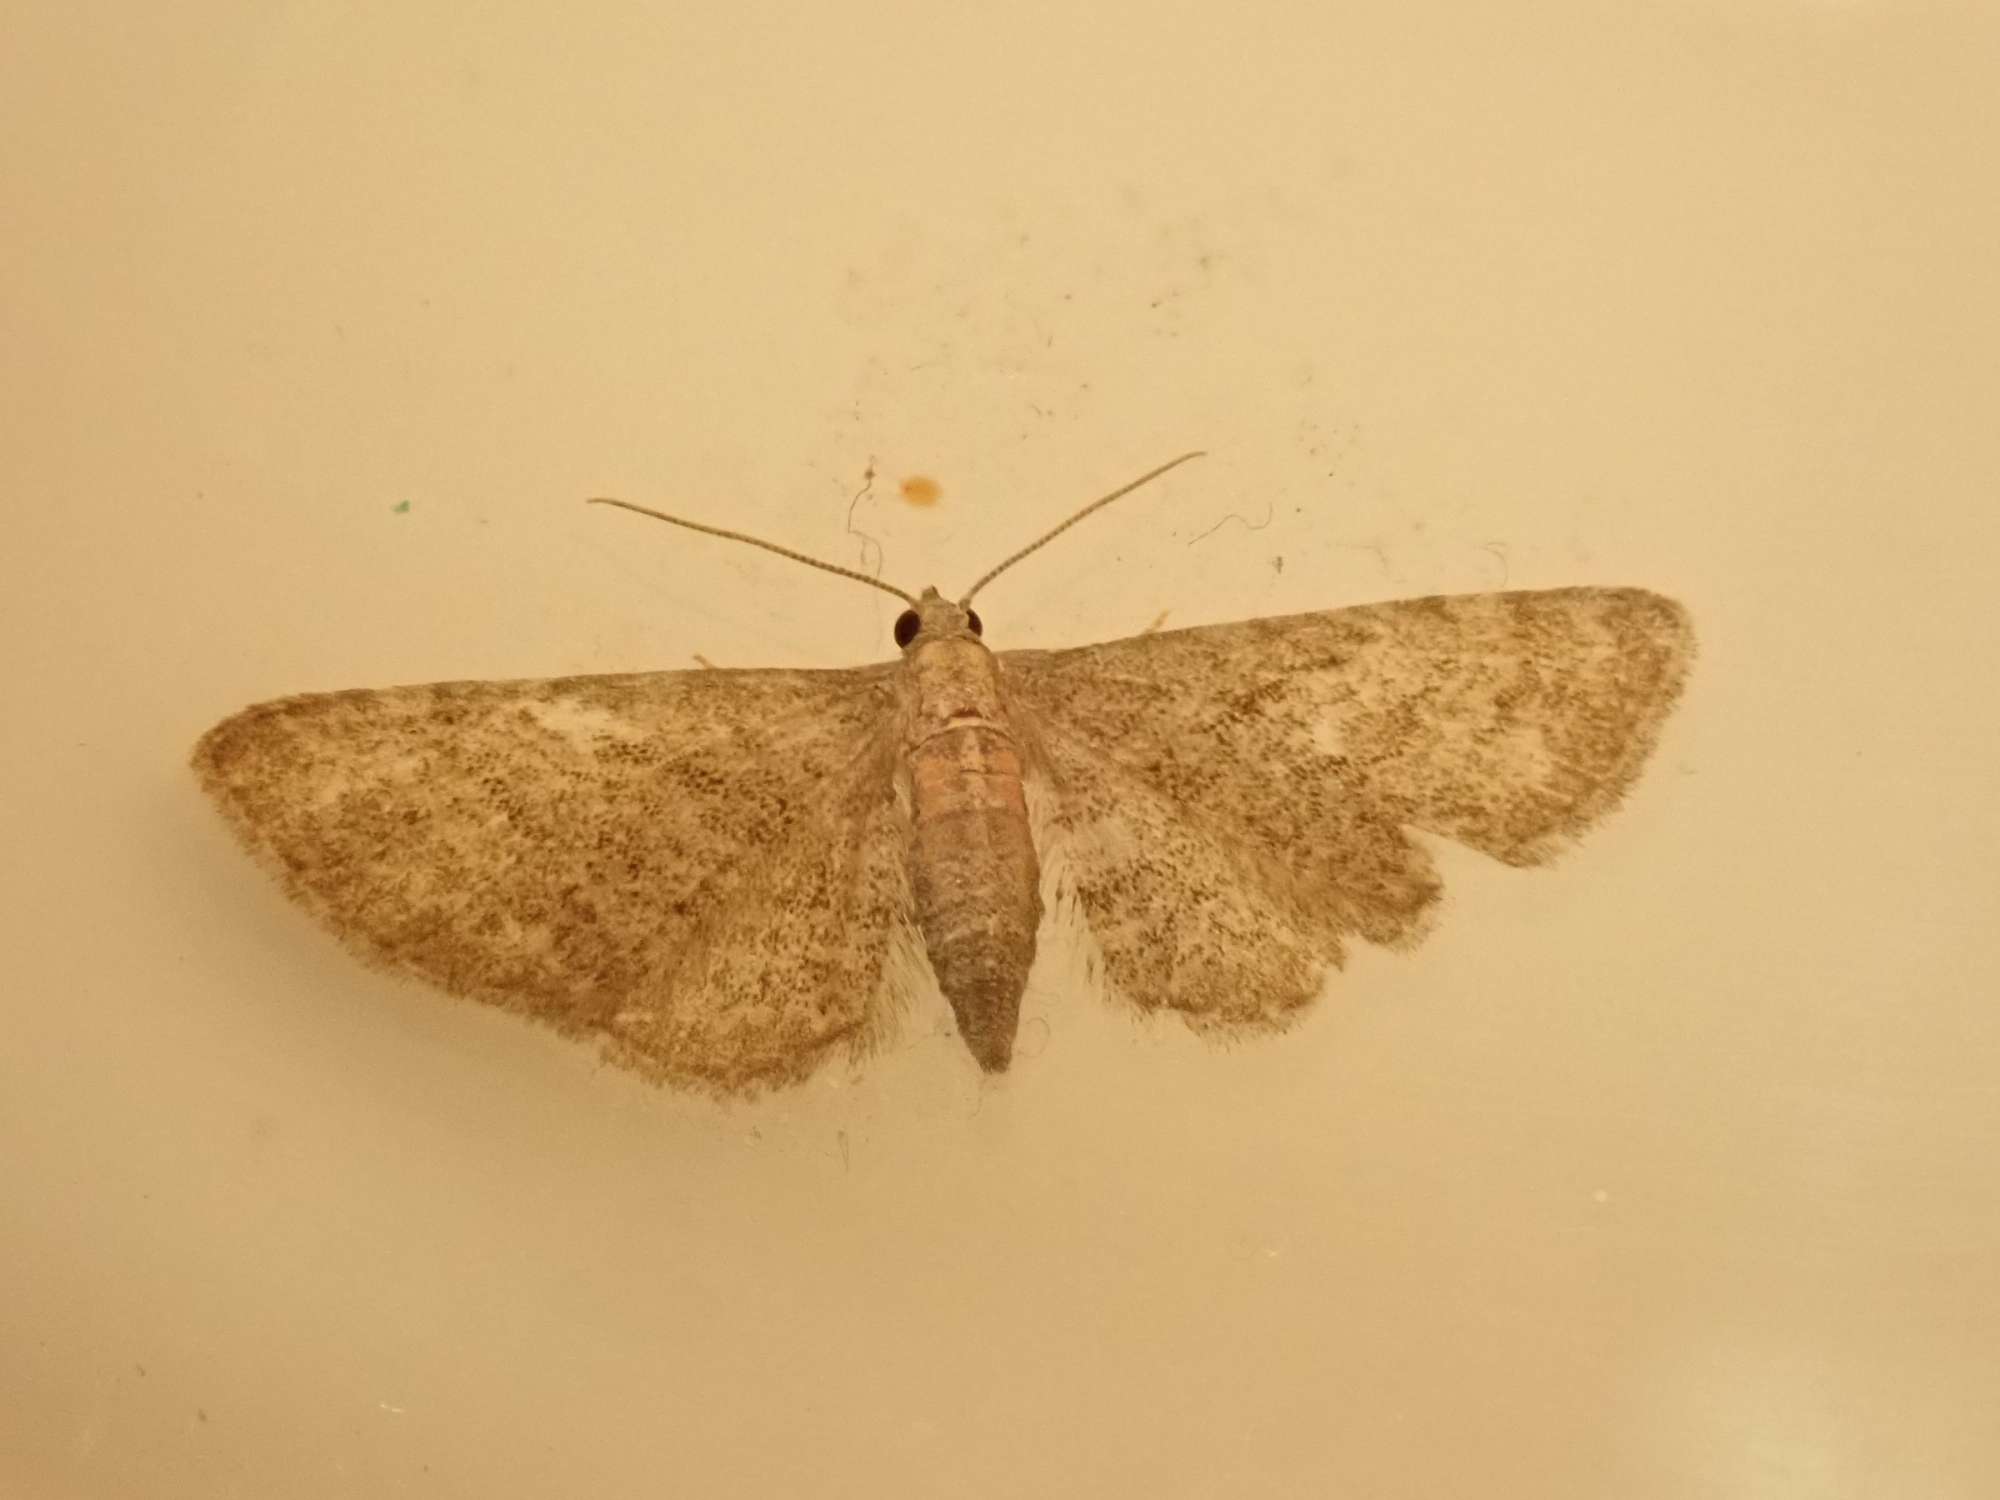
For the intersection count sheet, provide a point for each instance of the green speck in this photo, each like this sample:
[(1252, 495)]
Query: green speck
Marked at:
[(401, 507)]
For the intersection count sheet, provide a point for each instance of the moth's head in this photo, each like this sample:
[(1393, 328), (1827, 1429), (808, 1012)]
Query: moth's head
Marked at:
[(935, 618)]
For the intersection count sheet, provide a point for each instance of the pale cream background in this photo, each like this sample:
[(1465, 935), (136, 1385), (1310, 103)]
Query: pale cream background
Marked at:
[(1667, 1172)]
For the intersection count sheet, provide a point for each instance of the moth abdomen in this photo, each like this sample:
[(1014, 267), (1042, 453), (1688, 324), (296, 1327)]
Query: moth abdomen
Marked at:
[(976, 881)]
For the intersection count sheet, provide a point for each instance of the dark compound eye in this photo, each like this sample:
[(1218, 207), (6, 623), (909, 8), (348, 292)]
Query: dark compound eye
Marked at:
[(906, 627), (972, 619)]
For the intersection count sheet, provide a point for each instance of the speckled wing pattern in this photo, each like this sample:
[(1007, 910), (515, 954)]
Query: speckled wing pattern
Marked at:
[(706, 870), (1229, 801)]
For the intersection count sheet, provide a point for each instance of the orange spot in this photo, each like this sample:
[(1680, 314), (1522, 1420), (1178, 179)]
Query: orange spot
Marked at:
[(921, 489)]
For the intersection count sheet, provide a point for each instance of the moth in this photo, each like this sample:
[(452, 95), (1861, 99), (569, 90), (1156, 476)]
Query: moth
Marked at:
[(730, 877)]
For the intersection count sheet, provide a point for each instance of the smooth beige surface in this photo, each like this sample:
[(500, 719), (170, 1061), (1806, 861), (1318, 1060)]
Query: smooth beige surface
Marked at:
[(1668, 1172)]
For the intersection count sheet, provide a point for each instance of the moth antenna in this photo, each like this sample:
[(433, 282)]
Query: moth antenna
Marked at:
[(1097, 504), (737, 536)]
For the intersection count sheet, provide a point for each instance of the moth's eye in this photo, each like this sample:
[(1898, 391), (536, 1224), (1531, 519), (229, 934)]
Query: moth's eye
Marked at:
[(972, 619), (906, 627)]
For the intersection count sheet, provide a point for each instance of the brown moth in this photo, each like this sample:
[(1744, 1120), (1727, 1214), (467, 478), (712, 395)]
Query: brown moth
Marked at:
[(730, 876)]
